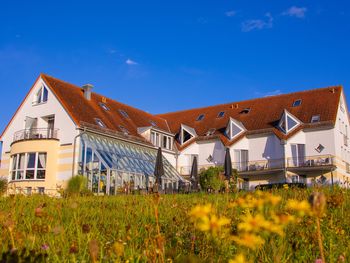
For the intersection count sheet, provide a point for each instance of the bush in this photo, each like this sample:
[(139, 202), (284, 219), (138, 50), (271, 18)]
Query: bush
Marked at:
[(77, 185), (3, 186), (210, 179)]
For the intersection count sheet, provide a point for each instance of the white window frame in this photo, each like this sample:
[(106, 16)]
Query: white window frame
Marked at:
[(40, 94), (229, 132), (16, 169), (284, 118)]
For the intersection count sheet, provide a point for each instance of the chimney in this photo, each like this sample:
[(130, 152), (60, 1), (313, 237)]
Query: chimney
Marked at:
[(87, 91)]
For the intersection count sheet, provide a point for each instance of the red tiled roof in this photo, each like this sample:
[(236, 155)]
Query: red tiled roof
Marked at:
[(82, 110), (264, 113)]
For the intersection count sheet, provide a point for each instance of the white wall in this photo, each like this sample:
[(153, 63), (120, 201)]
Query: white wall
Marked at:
[(63, 122), (267, 147)]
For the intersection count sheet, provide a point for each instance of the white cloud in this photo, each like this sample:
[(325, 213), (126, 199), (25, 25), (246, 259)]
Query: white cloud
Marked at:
[(268, 93), (295, 11), (131, 62), (257, 24), (231, 13)]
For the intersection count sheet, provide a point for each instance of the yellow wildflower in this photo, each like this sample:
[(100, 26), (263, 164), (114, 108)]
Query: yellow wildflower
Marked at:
[(212, 223), (201, 211), (238, 259), (251, 241), (302, 207), (252, 223)]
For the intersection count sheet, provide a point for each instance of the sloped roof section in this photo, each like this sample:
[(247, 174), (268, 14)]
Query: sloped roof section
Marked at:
[(84, 111), (262, 113)]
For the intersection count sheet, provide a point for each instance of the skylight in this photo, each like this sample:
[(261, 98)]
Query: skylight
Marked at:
[(104, 106), (245, 111), (221, 114), (315, 118), (153, 123), (296, 103), (100, 123), (200, 117), (124, 114)]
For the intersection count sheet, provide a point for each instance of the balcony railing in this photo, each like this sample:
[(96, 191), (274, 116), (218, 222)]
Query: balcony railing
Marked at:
[(38, 133), (261, 165), (311, 161)]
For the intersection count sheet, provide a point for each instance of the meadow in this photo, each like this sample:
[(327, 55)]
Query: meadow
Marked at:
[(276, 226)]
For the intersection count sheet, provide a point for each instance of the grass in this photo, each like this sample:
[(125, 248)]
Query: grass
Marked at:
[(138, 228)]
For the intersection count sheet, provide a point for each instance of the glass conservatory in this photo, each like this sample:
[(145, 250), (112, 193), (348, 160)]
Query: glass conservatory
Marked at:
[(113, 166)]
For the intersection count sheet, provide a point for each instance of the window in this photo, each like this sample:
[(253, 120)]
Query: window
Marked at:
[(319, 148), (234, 128), (221, 114), (296, 103), (41, 96), (245, 111), (200, 117), (165, 142), (153, 138), (28, 166), (240, 158), (100, 123), (124, 114), (124, 130), (288, 122), (104, 106), (41, 190), (315, 118), (186, 133)]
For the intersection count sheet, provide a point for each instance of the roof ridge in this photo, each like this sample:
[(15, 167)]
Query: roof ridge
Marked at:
[(253, 99)]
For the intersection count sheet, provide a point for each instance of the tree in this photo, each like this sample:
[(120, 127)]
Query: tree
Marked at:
[(211, 179)]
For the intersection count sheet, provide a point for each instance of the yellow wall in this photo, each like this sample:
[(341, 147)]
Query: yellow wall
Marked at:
[(51, 147)]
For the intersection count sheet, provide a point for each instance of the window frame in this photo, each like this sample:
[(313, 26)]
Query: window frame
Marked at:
[(104, 106), (315, 118), (17, 170), (41, 96), (297, 103), (221, 114), (200, 117), (100, 123), (124, 114)]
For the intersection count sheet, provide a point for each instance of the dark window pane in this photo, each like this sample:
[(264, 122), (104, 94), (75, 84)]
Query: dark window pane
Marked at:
[(31, 160), (40, 174), (45, 95), (13, 176), (20, 175), (14, 162), (30, 174)]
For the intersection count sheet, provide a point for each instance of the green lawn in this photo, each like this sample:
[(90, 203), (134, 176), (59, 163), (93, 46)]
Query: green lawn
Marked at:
[(143, 228)]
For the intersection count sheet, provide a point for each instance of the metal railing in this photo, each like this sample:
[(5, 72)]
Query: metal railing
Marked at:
[(260, 165), (37, 133), (311, 161)]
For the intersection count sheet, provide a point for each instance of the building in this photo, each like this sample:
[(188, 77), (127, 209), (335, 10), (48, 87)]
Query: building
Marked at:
[(61, 130)]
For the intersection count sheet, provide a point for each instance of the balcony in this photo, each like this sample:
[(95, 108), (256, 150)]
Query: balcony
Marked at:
[(35, 134), (260, 166), (311, 163)]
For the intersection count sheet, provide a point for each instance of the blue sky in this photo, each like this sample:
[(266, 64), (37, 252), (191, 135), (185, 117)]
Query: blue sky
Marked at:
[(164, 56)]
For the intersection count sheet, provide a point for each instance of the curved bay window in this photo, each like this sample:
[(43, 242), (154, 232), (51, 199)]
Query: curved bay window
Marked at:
[(28, 166)]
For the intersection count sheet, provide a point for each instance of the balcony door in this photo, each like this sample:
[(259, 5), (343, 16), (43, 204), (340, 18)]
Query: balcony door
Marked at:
[(30, 127), (298, 154), (240, 158), (50, 126)]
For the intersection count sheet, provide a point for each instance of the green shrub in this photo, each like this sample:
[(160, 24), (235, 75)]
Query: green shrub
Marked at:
[(210, 179), (77, 185), (3, 186)]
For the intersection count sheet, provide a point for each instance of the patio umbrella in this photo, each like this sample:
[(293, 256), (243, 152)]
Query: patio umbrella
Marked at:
[(228, 164), (194, 174), (159, 168)]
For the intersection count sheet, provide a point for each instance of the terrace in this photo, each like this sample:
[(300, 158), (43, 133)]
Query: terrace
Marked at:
[(35, 133)]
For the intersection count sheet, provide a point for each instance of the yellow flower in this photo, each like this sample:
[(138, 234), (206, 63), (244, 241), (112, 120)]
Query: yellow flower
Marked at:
[(201, 211), (251, 241), (252, 223), (274, 199), (238, 259), (302, 207), (212, 223), (285, 186)]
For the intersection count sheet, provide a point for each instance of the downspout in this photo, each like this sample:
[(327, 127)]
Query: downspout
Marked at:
[(285, 161), (74, 146)]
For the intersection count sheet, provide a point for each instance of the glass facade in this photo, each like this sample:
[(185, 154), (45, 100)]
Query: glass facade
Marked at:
[(114, 166)]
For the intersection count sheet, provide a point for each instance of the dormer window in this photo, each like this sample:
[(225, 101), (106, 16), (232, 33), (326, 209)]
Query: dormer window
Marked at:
[(186, 133), (124, 114), (296, 103), (288, 122), (245, 111), (104, 106), (315, 118), (41, 96), (200, 117), (221, 114), (100, 123), (124, 130), (234, 128)]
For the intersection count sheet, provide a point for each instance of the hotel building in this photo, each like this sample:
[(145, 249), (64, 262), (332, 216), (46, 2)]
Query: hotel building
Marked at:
[(61, 130)]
